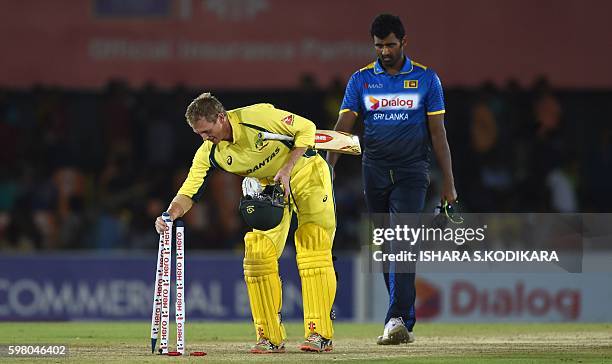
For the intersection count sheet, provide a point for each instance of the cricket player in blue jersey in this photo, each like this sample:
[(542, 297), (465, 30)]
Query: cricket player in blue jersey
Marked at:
[(402, 105)]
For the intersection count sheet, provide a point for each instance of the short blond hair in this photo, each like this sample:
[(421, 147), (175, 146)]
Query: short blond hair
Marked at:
[(204, 106)]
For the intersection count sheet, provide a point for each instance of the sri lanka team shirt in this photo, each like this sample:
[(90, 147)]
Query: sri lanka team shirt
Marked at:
[(395, 109)]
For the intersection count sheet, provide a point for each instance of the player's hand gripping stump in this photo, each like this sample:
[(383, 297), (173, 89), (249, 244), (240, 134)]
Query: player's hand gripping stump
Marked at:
[(160, 318)]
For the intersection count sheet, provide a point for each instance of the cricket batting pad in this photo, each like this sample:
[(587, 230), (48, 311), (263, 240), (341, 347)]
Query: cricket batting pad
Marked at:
[(314, 260), (264, 286)]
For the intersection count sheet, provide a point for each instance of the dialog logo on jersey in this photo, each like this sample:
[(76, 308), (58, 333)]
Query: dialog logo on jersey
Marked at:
[(375, 103), (392, 102)]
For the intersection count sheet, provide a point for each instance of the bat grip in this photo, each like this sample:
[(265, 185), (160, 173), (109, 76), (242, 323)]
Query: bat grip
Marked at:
[(272, 136)]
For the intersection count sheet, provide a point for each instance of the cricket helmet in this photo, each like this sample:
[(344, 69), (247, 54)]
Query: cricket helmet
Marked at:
[(263, 211)]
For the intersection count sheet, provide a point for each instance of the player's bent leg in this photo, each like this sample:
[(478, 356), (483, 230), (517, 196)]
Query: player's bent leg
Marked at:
[(264, 289), (314, 260)]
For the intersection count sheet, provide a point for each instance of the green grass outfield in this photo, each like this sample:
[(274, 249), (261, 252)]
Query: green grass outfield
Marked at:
[(129, 342)]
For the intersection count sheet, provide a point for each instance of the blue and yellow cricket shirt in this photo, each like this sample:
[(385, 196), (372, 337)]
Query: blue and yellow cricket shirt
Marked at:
[(395, 109), (247, 155)]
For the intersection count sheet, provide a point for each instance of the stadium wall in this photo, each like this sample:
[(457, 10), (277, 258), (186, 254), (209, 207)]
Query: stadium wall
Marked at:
[(260, 43), (120, 287)]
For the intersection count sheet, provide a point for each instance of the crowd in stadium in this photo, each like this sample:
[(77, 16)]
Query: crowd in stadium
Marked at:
[(91, 169)]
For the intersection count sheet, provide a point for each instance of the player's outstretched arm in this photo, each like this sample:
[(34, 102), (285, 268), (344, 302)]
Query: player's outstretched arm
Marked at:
[(178, 207)]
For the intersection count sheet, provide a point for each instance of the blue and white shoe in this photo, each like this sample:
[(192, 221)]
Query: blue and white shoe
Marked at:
[(395, 333)]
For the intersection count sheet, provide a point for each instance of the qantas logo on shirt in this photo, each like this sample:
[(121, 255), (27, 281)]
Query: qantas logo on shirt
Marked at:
[(263, 162), (392, 102)]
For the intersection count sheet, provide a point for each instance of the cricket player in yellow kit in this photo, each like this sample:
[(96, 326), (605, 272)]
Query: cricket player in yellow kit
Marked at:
[(231, 143)]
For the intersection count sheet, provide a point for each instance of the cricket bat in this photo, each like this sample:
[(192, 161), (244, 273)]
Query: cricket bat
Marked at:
[(334, 141)]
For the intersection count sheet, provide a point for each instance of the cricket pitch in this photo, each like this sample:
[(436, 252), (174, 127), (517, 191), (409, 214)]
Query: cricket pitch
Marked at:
[(128, 342)]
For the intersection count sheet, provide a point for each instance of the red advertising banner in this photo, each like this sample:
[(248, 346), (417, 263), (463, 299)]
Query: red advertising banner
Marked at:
[(271, 43)]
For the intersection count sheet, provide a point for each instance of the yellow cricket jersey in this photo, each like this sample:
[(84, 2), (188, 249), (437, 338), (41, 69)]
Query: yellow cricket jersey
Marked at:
[(246, 155)]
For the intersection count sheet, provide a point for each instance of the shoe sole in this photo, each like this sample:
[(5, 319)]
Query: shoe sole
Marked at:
[(315, 350), (400, 336)]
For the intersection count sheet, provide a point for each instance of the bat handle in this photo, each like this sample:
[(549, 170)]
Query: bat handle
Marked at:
[(272, 136)]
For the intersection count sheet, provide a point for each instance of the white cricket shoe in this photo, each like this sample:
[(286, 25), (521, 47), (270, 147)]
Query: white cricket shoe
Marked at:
[(395, 333)]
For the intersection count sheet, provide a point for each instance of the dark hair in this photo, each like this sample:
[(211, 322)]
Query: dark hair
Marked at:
[(385, 24)]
